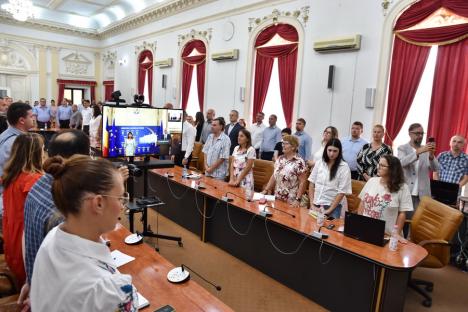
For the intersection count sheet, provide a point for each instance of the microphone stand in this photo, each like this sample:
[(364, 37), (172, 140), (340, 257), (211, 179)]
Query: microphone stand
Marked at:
[(285, 212), (217, 287)]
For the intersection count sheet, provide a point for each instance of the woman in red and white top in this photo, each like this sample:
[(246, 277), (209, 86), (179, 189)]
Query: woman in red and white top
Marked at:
[(21, 172), (387, 197)]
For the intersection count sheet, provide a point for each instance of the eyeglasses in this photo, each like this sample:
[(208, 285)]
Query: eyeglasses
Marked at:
[(124, 200), (417, 133)]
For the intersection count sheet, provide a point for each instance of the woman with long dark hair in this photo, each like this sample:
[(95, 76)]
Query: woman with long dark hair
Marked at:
[(199, 122), (243, 157), (21, 172), (95, 128), (330, 180), (329, 133), (387, 197)]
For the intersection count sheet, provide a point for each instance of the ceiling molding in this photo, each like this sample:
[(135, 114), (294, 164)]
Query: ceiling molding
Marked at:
[(53, 4)]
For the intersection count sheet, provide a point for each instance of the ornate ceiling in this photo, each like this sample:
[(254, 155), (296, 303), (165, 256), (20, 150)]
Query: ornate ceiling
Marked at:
[(98, 18)]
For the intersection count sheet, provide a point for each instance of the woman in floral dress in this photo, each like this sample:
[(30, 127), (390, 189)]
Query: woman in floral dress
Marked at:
[(243, 157), (289, 177)]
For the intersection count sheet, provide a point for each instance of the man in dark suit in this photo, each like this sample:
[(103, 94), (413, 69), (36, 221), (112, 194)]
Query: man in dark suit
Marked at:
[(232, 130)]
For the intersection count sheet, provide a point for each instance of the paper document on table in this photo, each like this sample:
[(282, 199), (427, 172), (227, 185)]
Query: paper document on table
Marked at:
[(120, 258), (142, 301), (258, 196)]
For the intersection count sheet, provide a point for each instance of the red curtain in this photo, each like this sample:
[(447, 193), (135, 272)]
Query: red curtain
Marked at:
[(408, 63), (61, 91), (287, 66), (187, 71), (449, 103), (108, 89), (145, 68), (93, 93)]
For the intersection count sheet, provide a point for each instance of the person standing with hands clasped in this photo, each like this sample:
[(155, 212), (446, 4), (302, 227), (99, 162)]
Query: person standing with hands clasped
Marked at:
[(243, 157), (330, 180)]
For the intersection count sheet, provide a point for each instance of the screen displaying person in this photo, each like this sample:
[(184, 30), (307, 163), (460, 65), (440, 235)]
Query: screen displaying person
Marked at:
[(130, 145)]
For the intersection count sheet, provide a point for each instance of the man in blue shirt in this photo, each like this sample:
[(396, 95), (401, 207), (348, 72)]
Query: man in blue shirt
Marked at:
[(64, 113), (305, 141), (42, 113), (453, 164), (270, 136), (20, 119), (352, 145)]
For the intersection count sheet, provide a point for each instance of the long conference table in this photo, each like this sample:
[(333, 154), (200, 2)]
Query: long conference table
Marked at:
[(149, 271), (339, 273)]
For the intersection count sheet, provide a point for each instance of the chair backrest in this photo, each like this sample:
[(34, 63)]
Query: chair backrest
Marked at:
[(262, 171), (433, 220), (353, 199), (197, 148)]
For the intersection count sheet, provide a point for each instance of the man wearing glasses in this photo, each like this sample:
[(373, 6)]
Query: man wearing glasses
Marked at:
[(417, 160)]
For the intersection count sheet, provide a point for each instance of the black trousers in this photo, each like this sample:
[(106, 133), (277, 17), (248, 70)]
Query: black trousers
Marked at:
[(267, 155), (179, 157), (42, 125), (86, 129), (64, 124)]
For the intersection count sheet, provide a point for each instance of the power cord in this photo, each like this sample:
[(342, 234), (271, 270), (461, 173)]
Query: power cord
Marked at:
[(232, 227), (277, 248)]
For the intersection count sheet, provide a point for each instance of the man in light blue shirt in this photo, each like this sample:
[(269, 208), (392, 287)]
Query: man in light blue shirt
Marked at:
[(42, 113), (352, 145), (271, 135), (20, 119), (64, 113), (305, 141), (216, 150)]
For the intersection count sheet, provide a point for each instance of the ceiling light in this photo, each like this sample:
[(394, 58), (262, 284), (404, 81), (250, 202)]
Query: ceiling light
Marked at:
[(20, 9)]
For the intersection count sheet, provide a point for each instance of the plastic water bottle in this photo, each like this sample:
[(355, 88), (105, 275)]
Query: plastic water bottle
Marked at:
[(321, 216), (184, 173), (248, 194), (393, 244)]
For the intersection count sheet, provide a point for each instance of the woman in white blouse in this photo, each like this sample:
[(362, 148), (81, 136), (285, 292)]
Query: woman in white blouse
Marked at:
[(74, 269), (130, 145), (243, 157), (330, 180), (95, 128), (329, 133)]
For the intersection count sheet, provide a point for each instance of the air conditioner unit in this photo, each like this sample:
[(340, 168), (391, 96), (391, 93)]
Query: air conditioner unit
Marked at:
[(225, 55), (339, 44), (163, 63)]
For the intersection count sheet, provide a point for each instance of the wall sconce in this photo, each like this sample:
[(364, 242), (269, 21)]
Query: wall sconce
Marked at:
[(123, 61)]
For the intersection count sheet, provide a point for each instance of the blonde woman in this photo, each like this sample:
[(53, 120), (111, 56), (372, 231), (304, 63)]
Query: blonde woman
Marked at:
[(21, 172), (289, 177)]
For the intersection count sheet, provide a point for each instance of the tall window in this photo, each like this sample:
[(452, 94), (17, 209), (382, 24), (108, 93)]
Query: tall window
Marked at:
[(275, 72), (428, 84), (145, 75), (74, 95), (193, 60)]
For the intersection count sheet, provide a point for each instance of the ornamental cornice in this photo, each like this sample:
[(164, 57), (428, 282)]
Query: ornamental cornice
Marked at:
[(301, 15), (206, 34), (151, 46)]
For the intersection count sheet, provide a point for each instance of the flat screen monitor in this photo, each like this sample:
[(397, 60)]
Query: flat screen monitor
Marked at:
[(139, 131)]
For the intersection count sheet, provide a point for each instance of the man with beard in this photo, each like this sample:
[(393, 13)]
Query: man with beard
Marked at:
[(417, 160)]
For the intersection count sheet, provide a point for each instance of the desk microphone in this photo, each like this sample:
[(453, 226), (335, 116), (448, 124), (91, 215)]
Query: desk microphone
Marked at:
[(285, 212), (181, 274), (228, 199), (168, 174)]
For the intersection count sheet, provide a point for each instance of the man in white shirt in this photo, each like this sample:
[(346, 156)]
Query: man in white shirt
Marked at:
[(256, 131), (417, 160), (87, 113), (189, 133)]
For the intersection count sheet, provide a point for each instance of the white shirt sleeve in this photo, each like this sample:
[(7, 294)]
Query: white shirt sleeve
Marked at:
[(406, 202), (191, 141), (344, 180), (314, 173), (113, 293)]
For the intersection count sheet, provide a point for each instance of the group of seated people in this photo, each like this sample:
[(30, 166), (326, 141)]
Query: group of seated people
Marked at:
[(57, 204)]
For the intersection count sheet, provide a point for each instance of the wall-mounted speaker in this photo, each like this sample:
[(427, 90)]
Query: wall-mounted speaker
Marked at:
[(331, 76), (164, 81), (370, 97), (242, 94)]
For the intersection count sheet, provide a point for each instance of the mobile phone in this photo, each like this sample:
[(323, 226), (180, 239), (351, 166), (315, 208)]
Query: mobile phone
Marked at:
[(430, 140), (331, 226), (330, 218), (166, 308)]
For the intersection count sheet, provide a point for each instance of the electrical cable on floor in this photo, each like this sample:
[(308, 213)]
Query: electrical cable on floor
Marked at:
[(201, 212), (320, 254), (278, 249), (232, 227)]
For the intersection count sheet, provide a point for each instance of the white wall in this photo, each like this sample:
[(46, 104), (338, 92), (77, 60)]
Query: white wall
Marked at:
[(354, 71)]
